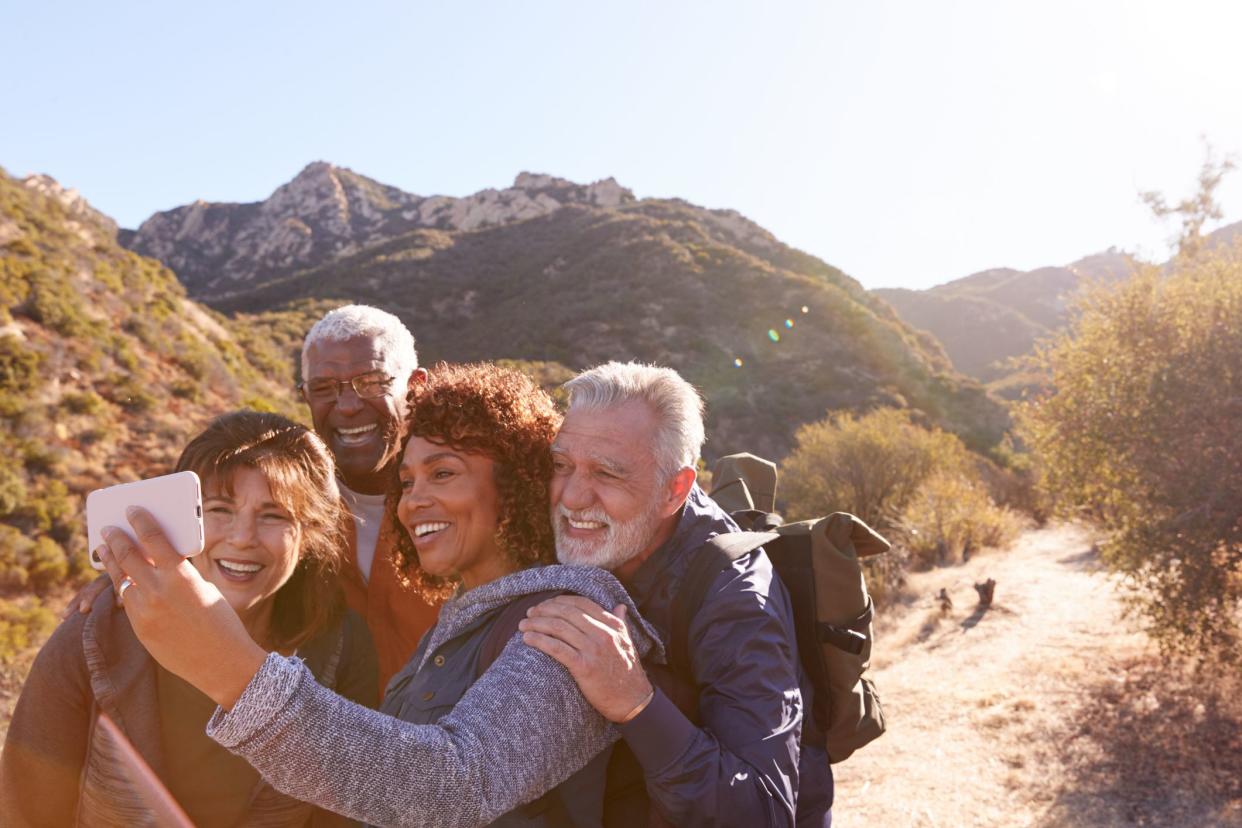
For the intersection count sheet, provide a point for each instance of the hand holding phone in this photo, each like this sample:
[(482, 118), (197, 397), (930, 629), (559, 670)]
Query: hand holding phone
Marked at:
[(174, 500)]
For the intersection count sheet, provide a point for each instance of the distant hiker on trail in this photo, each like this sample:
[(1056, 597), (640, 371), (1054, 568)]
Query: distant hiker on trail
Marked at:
[(358, 362), (272, 550)]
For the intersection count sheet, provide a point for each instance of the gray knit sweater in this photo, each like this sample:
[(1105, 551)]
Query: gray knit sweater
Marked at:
[(519, 731)]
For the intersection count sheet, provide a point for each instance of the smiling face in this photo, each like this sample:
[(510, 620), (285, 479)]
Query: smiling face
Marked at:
[(362, 432), (609, 506), (251, 544), (450, 507)]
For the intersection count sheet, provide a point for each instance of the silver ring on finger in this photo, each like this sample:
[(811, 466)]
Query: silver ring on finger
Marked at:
[(126, 583)]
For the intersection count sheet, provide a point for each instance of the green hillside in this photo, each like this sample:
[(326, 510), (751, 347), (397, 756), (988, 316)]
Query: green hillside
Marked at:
[(773, 336), (105, 369)]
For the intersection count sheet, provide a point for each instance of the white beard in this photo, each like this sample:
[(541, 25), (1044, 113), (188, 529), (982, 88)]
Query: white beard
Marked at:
[(621, 543)]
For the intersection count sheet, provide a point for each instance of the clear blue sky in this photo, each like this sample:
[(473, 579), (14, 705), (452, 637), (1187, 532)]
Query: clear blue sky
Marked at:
[(907, 143)]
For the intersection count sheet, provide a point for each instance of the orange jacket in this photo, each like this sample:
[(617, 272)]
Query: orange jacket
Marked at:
[(396, 616)]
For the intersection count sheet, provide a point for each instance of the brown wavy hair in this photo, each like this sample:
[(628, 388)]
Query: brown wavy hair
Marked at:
[(301, 475), (501, 413)]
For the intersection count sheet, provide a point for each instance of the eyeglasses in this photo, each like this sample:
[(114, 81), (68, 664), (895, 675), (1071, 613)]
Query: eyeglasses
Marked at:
[(368, 386)]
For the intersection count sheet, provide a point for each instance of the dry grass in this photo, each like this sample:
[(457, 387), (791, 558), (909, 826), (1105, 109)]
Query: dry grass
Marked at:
[(1154, 744), (1001, 717)]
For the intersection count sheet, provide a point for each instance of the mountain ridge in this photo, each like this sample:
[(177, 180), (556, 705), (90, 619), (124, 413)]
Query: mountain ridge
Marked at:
[(327, 211), (708, 292), (987, 319)]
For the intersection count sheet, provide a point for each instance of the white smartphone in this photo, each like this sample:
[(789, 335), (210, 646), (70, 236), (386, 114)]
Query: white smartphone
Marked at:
[(174, 500)]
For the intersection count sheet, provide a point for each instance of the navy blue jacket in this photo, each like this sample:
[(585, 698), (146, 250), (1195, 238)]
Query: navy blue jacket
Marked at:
[(740, 765)]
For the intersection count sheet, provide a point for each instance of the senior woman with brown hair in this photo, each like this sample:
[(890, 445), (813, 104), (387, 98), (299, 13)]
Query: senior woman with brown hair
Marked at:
[(478, 723), (272, 550)]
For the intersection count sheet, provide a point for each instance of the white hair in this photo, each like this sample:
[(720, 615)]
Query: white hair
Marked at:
[(393, 339), (677, 405)]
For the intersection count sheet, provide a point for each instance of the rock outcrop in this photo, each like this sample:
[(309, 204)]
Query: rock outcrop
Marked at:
[(80, 217), (327, 212)]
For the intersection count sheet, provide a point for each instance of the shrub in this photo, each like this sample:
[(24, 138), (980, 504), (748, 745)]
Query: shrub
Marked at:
[(191, 357), (23, 627), (259, 404), (19, 371), (134, 398), (15, 273), (871, 465), (93, 434), (1143, 434), (950, 517), (187, 390), (51, 510), (48, 565), (12, 487), (14, 554), (87, 402), (122, 353), (52, 302), (920, 487), (42, 458)]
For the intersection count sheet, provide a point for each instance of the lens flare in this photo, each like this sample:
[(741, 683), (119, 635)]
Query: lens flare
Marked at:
[(773, 335), (788, 323), (737, 363)]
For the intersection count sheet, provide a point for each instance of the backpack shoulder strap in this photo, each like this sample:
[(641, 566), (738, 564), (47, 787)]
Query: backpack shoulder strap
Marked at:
[(505, 626), (706, 562)]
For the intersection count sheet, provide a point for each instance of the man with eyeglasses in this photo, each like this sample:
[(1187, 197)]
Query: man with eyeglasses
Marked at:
[(358, 362)]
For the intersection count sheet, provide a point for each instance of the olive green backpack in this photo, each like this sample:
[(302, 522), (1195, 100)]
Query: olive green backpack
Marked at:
[(819, 562)]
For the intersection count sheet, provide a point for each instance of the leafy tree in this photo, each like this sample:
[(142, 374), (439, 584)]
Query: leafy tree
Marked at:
[(1196, 210), (1143, 434)]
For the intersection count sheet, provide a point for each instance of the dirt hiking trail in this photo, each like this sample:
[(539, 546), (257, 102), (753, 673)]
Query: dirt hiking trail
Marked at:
[(1048, 709)]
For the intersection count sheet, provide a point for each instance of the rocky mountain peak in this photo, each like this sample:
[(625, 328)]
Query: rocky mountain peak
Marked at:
[(84, 218), (316, 170), (603, 193), (538, 181), (325, 212)]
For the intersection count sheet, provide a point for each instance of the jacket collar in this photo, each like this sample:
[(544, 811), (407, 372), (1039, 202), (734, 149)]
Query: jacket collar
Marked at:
[(701, 520)]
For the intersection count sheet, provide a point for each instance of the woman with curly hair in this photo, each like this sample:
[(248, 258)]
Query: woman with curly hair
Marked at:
[(478, 727), (471, 494)]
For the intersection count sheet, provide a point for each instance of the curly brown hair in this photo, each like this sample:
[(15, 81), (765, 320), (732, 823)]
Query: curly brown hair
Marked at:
[(501, 413)]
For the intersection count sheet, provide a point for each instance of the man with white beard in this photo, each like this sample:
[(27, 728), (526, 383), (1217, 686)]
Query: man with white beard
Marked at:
[(723, 750)]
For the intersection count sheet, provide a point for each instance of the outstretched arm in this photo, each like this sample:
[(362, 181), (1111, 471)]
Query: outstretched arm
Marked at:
[(520, 730)]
